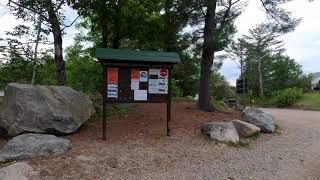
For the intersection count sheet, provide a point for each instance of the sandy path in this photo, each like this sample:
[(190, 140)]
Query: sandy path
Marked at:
[(295, 154)]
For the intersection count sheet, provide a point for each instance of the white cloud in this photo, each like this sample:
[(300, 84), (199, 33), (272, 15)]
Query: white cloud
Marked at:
[(8, 22), (302, 44)]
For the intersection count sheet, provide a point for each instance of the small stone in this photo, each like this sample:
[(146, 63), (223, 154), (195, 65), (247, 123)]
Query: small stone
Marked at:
[(18, 171)]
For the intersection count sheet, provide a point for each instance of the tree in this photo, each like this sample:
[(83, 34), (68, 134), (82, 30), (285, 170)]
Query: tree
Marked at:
[(24, 41), (119, 23), (317, 86), (260, 44), (50, 11), (84, 73), (218, 28)]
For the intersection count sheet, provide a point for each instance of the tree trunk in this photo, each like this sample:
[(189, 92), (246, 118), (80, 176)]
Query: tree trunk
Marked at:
[(116, 38), (207, 57), (260, 78), (103, 22), (57, 40), (170, 38), (35, 56)]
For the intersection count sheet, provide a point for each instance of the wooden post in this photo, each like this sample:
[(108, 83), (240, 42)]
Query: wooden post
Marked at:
[(169, 104), (104, 114)]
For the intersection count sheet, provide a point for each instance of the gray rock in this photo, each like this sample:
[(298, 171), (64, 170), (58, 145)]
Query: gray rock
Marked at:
[(221, 131), (252, 110), (27, 146), (43, 109), (19, 171), (245, 129), (262, 120)]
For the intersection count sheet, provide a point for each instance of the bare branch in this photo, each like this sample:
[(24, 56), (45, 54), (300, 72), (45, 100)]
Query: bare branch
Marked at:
[(268, 12), (71, 23)]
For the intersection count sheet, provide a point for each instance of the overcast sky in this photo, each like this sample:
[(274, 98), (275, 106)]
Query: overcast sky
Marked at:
[(303, 44)]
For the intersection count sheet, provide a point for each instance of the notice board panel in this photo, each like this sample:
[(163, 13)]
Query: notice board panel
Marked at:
[(137, 84)]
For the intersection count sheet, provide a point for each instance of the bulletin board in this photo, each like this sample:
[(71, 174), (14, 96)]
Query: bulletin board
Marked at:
[(131, 76), (133, 84)]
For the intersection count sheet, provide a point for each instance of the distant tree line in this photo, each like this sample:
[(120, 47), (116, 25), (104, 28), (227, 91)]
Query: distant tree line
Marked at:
[(197, 29)]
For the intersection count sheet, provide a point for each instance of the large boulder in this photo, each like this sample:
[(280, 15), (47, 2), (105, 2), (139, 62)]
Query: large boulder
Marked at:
[(262, 120), (252, 110), (27, 146), (220, 131), (19, 171), (245, 129), (43, 109)]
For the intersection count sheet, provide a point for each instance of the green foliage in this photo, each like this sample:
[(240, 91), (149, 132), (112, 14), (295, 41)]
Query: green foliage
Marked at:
[(113, 110), (243, 143), (46, 71), (219, 88), (262, 57), (309, 101), (287, 97), (278, 130), (185, 99), (317, 86), (83, 72), (186, 75), (16, 70), (176, 90), (220, 105)]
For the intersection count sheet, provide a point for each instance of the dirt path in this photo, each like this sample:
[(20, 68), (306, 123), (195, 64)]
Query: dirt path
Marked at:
[(141, 154)]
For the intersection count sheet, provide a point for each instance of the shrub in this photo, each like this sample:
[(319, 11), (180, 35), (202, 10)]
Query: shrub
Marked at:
[(287, 97), (176, 90)]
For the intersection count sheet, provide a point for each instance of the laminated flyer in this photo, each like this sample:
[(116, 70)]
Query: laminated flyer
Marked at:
[(135, 77), (158, 81)]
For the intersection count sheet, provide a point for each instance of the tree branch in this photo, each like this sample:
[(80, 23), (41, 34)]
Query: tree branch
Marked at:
[(30, 9), (71, 23), (268, 12), (59, 6)]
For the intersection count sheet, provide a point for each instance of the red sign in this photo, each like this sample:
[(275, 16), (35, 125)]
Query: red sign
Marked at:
[(112, 75), (135, 74), (163, 72)]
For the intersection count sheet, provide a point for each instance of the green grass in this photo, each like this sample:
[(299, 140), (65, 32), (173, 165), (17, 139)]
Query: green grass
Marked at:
[(179, 99), (277, 131), (243, 143), (309, 101)]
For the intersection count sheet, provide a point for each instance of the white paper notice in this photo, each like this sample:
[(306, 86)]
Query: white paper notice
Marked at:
[(112, 91), (140, 95), (158, 81), (143, 76), (134, 85)]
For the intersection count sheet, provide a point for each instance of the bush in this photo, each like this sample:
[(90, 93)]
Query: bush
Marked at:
[(176, 91), (287, 97)]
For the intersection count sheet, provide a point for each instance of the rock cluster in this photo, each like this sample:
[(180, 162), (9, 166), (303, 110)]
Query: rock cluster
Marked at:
[(253, 122), (30, 113)]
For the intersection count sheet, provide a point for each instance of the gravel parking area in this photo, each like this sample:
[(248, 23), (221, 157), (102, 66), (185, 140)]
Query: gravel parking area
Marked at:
[(141, 154)]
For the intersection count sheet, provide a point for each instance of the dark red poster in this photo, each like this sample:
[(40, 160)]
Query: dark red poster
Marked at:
[(112, 74)]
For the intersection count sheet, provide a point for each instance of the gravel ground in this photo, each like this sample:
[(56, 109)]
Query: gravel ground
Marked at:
[(294, 154)]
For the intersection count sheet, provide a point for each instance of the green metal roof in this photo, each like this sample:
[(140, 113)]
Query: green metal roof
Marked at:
[(135, 55)]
